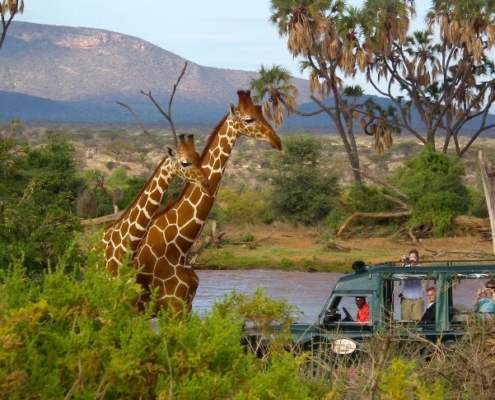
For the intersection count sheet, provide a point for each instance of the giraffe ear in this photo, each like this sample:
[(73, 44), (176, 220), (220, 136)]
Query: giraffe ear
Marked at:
[(170, 152), (190, 141), (233, 111)]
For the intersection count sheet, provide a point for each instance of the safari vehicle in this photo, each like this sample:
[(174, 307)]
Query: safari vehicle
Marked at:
[(456, 283)]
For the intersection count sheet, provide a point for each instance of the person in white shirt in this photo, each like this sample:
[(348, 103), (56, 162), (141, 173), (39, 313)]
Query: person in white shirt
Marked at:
[(412, 305)]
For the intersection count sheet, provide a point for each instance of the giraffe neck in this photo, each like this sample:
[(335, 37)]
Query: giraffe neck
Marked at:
[(129, 230), (214, 160)]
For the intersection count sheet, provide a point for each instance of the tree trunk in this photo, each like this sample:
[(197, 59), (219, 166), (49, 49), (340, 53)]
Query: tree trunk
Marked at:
[(487, 176), (102, 220)]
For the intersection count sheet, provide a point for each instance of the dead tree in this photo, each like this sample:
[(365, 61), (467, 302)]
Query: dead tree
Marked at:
[(487, 176), (406, 209)]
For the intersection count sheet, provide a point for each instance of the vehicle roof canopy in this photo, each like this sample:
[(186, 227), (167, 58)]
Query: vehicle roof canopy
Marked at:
[(367, 278)]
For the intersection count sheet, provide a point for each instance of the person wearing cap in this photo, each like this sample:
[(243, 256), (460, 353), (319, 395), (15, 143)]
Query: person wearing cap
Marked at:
[(363, 312), (411, 304)]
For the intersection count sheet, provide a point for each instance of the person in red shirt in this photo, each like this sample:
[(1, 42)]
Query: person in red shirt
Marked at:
[(363, 312)]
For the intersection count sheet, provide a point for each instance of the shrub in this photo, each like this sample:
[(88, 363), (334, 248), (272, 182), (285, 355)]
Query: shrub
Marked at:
[(242, 207), (39, 219), (301, 192), (433, 183), (74, 333)]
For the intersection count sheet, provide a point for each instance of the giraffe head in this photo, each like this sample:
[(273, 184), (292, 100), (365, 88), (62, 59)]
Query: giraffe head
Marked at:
[(186, 164), (247, 119)]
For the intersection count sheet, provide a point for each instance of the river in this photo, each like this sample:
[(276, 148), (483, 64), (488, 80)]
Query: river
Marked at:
[(306, 290)]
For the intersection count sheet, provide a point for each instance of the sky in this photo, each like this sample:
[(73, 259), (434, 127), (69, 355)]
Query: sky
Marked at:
[(228, 34)]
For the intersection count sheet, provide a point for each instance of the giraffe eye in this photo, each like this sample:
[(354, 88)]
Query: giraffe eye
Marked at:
[(249, 120), (185, 164)]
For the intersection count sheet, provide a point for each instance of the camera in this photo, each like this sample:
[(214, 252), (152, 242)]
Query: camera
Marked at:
[(483, 291), (406, 259)]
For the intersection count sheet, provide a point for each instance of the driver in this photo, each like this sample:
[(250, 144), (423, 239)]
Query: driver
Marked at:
[(363, 312)]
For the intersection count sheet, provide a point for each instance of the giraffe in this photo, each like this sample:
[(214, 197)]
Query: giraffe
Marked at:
[(126, 233), (163, 251)]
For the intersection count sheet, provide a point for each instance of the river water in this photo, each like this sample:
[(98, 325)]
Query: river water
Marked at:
[(308, 291)]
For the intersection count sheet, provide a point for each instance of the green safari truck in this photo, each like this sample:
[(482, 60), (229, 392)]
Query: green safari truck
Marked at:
[(456, 283)]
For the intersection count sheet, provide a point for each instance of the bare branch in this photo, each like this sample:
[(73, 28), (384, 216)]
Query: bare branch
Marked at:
[(136, 119), (102, 220), (399, 214), (398, 201), (385, 184), (168, 115)]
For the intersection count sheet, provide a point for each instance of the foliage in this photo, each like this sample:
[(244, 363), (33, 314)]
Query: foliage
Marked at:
[(399, 381), (12, 152), (75, 334), (366, 199), (433, 184), (444, 72), (260, 313), (248, 207), (301, 192), (118, 177), (273, 85), (477, 203), (39, 217)]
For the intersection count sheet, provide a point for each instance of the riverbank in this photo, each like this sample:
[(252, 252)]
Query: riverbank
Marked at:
[(285, 247)]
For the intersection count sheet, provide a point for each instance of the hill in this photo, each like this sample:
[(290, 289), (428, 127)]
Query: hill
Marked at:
[(60, 73)]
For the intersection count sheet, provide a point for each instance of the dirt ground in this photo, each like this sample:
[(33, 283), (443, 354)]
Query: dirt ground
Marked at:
[(302, 243)]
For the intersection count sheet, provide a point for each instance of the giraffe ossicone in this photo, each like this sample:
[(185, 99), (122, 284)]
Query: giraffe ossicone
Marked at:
[(162, 253), (124, 235)]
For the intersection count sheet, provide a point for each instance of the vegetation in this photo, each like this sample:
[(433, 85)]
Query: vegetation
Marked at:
[(301, 192), (444, 73), (38, 191), (74, 333), (434, 187)]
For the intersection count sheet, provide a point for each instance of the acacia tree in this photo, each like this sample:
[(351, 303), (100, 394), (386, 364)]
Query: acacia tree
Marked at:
[(8, 10)]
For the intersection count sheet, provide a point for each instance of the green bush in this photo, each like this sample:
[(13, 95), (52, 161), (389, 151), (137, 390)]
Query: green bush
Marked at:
[(242, 207), (302, 192), (433, 183), (477, 203), (73, 333), (39, 219)]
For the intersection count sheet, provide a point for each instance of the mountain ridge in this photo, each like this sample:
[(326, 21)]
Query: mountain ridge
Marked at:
[(92, 69)]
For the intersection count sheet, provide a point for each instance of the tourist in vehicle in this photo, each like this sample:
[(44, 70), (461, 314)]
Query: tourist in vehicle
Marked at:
[(429, 314), (363, 312), (484, 302), (411, 303)]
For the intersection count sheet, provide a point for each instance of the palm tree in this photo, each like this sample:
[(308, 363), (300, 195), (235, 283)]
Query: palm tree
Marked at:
[(11, 7), (302, 21), (273, 85), (328, 35)]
